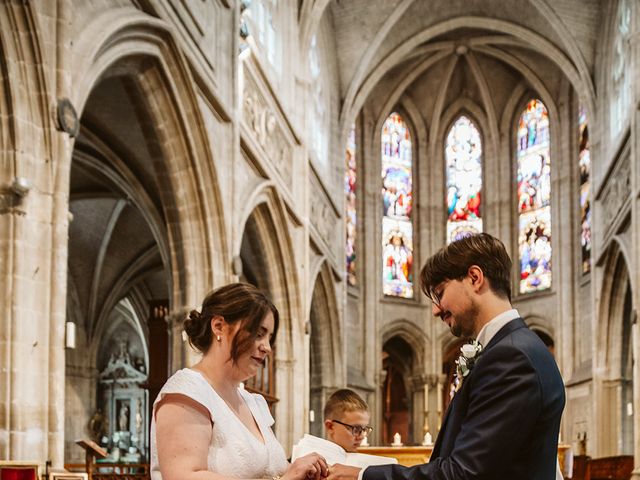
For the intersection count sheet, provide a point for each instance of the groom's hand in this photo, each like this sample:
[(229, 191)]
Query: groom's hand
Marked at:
[(343, 472)]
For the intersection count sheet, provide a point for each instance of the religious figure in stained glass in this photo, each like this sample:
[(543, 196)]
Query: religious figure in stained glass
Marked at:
[(534, 198), (584, 163), (397, 258), (397, 202), (463, 153), (350, 192)]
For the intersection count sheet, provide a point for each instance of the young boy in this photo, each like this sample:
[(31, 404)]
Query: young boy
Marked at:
[(346, 419)]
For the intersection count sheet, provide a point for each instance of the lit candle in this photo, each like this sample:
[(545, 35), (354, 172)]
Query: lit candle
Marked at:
[(439, 397), (396, 439)]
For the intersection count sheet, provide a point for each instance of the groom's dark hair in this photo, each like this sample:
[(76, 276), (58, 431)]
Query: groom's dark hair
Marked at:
[(453, 261)]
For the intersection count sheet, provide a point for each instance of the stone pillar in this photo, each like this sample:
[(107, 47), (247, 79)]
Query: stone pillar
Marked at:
[(634, 268), (33, 236)]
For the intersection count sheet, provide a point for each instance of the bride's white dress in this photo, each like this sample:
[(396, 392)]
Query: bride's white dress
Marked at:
[(234, 450)]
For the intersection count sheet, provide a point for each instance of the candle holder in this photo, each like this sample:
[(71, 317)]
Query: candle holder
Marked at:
[(428, 439)]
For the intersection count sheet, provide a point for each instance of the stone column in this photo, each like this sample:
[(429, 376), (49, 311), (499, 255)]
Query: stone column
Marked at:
[(33, 237), (634, 268)]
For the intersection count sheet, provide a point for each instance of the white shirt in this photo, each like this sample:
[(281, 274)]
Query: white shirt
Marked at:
[(493, 326)]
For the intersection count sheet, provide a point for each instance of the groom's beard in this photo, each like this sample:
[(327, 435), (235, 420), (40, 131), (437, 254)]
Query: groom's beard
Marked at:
[(463, 324)]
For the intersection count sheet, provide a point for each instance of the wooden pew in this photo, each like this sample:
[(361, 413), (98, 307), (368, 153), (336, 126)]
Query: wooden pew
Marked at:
[(606, 468), (614, 468)]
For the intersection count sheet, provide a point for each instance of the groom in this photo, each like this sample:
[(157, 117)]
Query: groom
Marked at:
[(504, 420)]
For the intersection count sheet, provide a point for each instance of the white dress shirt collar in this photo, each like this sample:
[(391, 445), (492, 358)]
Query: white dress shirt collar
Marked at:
[(488, 331)]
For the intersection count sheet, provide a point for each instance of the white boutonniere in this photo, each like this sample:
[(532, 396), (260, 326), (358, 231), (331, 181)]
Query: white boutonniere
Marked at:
[(469, 353)]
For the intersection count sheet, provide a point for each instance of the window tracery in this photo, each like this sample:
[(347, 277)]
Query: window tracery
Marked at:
[(397, 203), (534, 198), (463, 157)]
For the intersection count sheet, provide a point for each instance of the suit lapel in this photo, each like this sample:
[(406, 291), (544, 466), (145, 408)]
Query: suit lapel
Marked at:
[(503, 332)]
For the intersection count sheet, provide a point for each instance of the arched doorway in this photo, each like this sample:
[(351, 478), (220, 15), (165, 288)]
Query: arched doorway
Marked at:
[(265, 251), (614, 354), (255, 270), (397, 406), (118, 270), (326, 366), (138, 241)]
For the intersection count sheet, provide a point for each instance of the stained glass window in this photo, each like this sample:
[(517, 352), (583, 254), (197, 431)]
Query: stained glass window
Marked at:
[(350, 192), (463, 156), (620, 76), (534, 198), (397, 201), (584, 162), (319, 114)]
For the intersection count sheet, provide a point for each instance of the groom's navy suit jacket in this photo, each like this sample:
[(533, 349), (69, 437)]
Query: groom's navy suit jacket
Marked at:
[(503, 423)]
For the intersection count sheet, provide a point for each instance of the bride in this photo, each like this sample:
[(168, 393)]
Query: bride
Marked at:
[(204, 425)]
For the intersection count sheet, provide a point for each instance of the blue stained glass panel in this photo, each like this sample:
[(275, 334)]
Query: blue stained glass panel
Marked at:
[(397, 202), (534, 198)]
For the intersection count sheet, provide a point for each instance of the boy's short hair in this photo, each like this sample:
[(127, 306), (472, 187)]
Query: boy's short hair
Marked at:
[(342, 401)]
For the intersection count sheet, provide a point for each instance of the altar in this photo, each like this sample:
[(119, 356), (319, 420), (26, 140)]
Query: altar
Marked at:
[(416, 455), (407, 456)]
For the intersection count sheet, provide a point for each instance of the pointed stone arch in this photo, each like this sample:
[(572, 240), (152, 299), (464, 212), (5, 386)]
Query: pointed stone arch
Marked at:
[(170, 183), (122, 42), (266, 218), (574, 67), (614, 354), (403, 356), (327, 363)]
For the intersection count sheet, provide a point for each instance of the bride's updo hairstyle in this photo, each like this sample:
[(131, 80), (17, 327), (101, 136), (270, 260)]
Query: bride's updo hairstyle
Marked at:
[(236, 302)]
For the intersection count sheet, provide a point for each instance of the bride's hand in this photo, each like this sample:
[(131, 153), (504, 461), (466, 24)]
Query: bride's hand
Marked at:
[(309, 467)]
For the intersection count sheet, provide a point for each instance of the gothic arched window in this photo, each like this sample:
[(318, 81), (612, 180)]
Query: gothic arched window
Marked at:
[(620, 76), (263, 28), (397, 201), (584, 162), (319, 122), (463, 157), (534, 198), (350, 214)]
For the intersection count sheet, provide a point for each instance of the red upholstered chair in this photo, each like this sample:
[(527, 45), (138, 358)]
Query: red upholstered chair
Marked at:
[(18, 471)]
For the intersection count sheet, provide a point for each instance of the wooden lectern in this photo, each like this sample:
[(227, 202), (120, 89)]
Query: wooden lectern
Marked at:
[(91, 450)]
